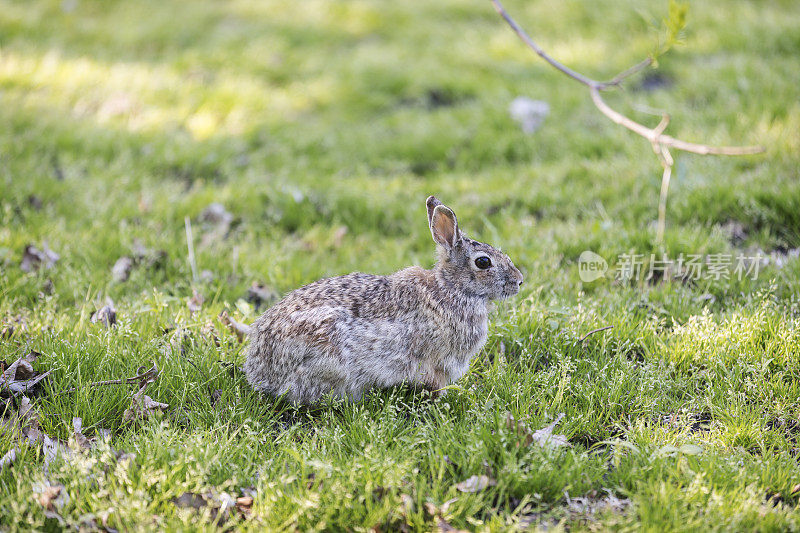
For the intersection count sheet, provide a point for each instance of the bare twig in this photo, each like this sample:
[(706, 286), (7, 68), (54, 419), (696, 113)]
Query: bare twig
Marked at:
[(656, 136), (141, 379), (240, 330), (598, 330), (661, 143)]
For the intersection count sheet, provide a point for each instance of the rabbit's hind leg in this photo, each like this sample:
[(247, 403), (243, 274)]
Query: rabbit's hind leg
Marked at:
[(313, 380)]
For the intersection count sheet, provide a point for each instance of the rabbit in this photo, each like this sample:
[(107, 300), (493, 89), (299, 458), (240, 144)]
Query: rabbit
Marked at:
[(348, 334)]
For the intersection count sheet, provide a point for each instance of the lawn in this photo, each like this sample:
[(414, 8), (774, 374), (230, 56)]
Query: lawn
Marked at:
[(320, 128)]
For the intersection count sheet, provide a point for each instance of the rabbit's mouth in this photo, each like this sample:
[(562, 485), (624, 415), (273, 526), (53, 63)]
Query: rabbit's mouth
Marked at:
[(509, 290)]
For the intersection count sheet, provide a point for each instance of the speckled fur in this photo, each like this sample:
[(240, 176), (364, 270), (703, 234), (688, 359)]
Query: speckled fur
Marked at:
[(351, 333)]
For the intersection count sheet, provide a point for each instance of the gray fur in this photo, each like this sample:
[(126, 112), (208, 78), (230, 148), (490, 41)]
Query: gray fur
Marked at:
[(351, 333)]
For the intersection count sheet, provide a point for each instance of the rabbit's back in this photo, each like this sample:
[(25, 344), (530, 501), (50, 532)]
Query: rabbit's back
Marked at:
[(358, 331)]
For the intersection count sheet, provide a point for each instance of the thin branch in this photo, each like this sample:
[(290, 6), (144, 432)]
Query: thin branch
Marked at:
[(536, 48), (598, 330), (240, 330), (589, 82), (141, 379), (619, 78), (656, 137), (666, 162), (661, 143)]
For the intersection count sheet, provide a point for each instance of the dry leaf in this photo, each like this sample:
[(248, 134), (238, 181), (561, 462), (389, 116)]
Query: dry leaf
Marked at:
[(431, 508), (19, 377), (47, 288), (440, 512), (121, 270), (106, 315), (216, 214), (21, 369), (148, 257), (435, 510), (48, 495), (407, 504), (476, 484), (81, 441), (9, 457), (544, 437), (34, 259), (795, 489), (259, 294), (142, 406), (24, 424), (219, 505), (190, 500), (590, 505)]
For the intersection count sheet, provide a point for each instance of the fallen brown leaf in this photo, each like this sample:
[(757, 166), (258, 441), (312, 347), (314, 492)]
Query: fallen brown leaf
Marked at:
[(81, 441), (48, 495), (406, 504), (19, 377), (544, 437), (121, 270), (587, 506), (259, 294), (106, 315), (148, 257), (21, 369), (142, 406), (9, 457), (216, 396), (190, 500), (34, 258), (219, 505)]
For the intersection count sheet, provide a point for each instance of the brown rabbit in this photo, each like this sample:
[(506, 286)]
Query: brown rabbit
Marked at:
[(351, 333)]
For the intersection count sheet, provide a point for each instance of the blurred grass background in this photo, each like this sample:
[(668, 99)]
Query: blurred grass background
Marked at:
[(321, 127)]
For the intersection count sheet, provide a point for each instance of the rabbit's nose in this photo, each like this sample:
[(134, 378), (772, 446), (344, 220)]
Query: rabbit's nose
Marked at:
[(518, 275)]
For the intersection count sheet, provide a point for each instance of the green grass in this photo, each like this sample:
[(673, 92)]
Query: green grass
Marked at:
[(322, 127)]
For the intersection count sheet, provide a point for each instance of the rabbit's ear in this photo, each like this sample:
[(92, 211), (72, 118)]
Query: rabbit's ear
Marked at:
[(444, 226), (431, 204)]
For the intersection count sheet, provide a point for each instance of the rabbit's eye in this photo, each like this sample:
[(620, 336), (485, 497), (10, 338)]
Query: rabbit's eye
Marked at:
[(483, 262)]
